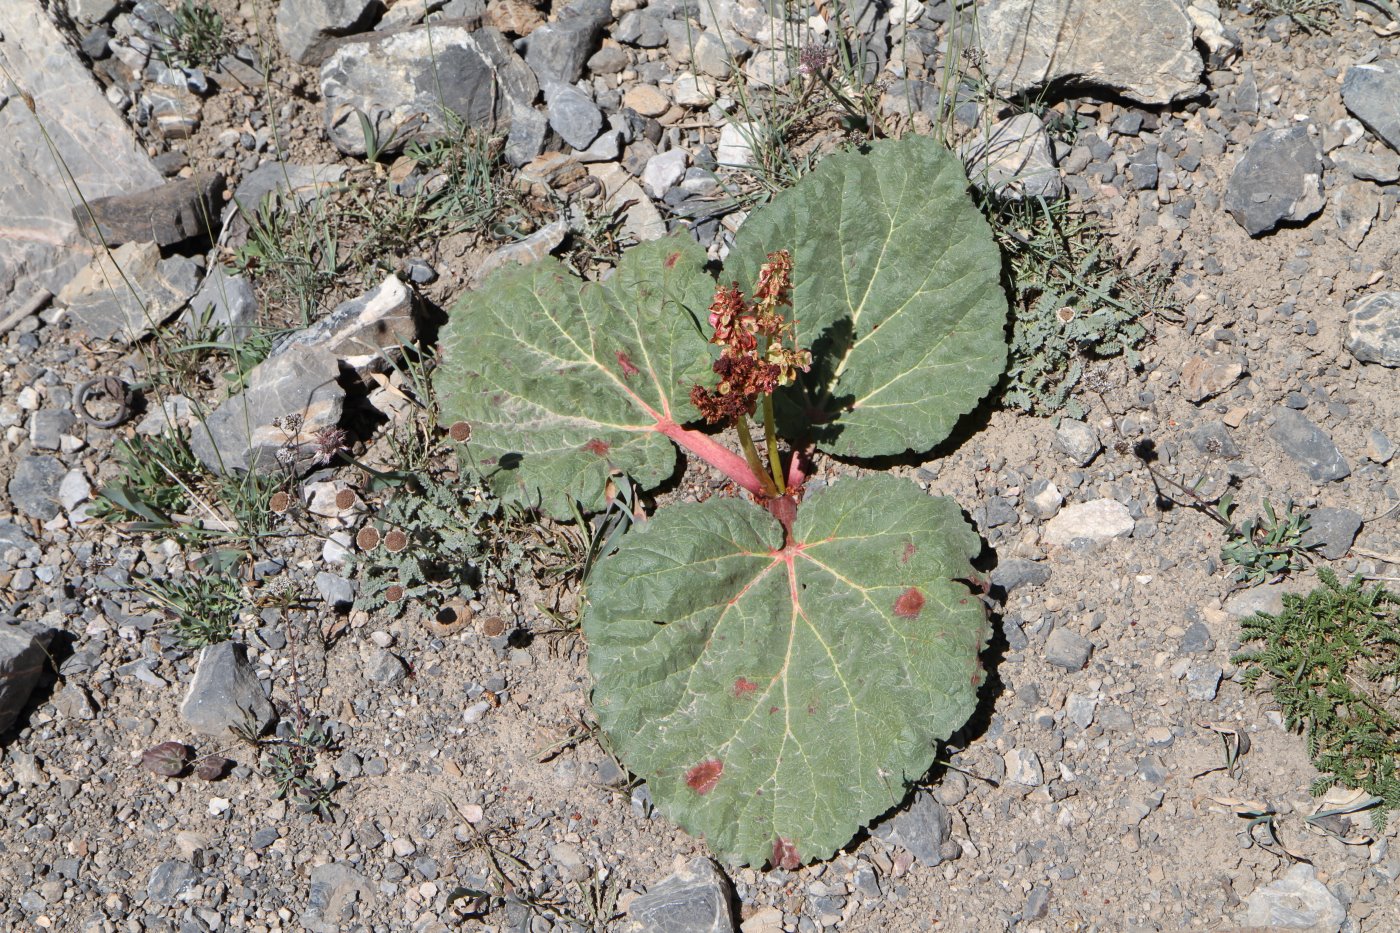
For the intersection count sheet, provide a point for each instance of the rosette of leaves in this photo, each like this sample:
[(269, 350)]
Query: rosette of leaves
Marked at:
[(778, 670)]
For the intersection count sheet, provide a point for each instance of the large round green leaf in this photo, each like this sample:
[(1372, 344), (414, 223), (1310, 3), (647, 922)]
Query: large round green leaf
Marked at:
[(564, 381), (777, 697), (896, 290)]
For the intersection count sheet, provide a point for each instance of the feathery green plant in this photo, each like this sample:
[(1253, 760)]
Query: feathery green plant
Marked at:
[(1333, 658)]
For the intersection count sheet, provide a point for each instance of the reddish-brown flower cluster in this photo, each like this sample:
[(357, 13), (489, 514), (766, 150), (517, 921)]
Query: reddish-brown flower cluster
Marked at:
[(747, 370)]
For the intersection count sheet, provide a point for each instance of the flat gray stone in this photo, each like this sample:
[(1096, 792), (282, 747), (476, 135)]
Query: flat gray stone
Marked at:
[(225, 694), (300, 184), (308, 29), (924, 828), (1099, 520), (124, 295), (43, 247), (225, 308), (1380, 167), (1279, 180), (1353, 208), (1372, 93), (532, 249), (166, 215), (1331, 531), (365, 334), (559, 50), (405, 80), (1016, 572), (663, 171), (339, 894), (1077, 440), (1373, 331), (34, 487), (693, 900), (22, 659), (1308, 446), (1204, 377), (1014, 158), (572, 114), (1267, 598), (1067, 649), (240, 435), (1297, 901), (169, 880), (1142, 49)]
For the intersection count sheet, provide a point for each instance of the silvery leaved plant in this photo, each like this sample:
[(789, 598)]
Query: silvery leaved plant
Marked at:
[(778, 665)]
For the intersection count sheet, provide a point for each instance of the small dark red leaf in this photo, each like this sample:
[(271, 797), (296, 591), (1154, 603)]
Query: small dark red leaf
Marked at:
[(168, 759), (211, 767), (703, 777), (909, 604)]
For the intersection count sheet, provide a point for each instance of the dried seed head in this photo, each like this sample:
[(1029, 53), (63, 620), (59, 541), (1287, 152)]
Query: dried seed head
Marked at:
[(461, 432), (394, 593), (1065, 314), (290, 423), (345, 499), (328, 442), (395, 541), (280, 502), (492, 626), (814, 59), (367, 538)]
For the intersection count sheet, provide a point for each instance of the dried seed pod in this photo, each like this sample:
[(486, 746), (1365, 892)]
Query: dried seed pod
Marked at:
[(280, 502), (168, 759), (461, 432), (394, 593), (345, 499), (395, 541), (492, 626), (367, 538), (212, 767)]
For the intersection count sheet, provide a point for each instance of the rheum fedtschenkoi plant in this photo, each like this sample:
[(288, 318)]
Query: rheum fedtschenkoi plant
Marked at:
[(780, 664)]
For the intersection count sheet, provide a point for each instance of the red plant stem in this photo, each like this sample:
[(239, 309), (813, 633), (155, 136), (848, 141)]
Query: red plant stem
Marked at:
[(735, 467), (795, 477)]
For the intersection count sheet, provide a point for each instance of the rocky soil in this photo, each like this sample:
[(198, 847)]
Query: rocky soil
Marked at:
[(1252, 162)]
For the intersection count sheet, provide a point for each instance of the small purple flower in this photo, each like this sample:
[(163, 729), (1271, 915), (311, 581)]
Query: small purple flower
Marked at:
[(327, 443), (814, 59)]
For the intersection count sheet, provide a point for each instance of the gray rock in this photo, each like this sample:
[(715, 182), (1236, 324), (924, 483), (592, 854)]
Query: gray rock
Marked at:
[(300, 183), (365, 334), (572, 114), (73, 702), (1213, 439), (404, 81), (1067, 649), (1353, 209), (1308, 446), (529, 130), (1043, 499), (1373, 331), (1015, 572), (532, 249), (125, 294), (1204, 377), (96, 147), (93, 11), (168, 214), (1037, 903), (169, 880), (1099, 520), (693, 900), (1023, 767), (336, 890), (1278, 180), (1297, 901), (609, 60), (1142, 49), (336, 590), (663, 171), (1077, 440), (1267, 598), (1203, 681), (384, 667), (641, 28), (1197, 639), (23, 655), (308, 29), (74, 490), (47, 427), (1379, 448), (240, 435), (1372, 93), (225, 695), (1331, 531), (1014, 158), (559, 50), (924, 828), (34, 487), (1380, 167), (225, 308)]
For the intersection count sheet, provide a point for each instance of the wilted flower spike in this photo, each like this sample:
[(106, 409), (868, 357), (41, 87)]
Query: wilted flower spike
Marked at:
[(328, 442)]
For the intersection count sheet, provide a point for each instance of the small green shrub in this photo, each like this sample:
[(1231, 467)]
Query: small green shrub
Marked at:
[(198, 39), (1332, 659), (200, 608), (1264, 547)]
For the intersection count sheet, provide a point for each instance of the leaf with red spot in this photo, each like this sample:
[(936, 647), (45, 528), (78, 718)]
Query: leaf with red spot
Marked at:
[(821, 668), (546, 368)]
